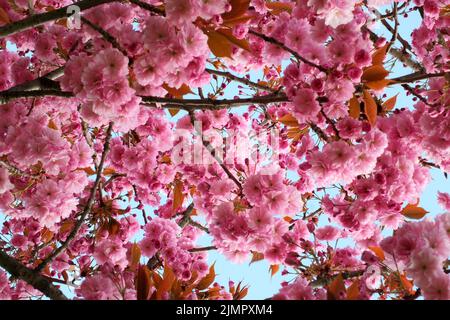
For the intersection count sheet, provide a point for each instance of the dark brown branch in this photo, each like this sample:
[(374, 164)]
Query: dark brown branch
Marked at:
[(284, 47), (34, 279), (323, 281), (245, 81), (87, 207), (319, 132), (211, 150), (414, 93), (39, 19), (41, 83), (186, 215), (198, 225), (394, 31), (331, 123), (185, 104), (203, 249), (108, 37), (416, 76), (148, 7), (211, 104), (6, 96)]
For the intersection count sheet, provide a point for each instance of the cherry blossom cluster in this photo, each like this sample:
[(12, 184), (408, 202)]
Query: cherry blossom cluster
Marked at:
[(120, 147), (421, 249)]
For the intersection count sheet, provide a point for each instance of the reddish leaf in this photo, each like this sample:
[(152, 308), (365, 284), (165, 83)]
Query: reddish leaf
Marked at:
[(241, 43), (208, 279), (278, 7), (52, 125), (108, 171), (135, 255), (389, 104), (353, 291), (374, 73), (46, 235), (379, 55), (239, 20), (273, 269), (413, 212), (407, 284), (370, 107), (239, 295), (238, 9), (336, 289), (143, 283), (88, 170), (66, 226), (219, 44), (113, 226), (379, 84), (295, 133), (354, 110), (178, 92), (166, 283), (289, 120), (4, 17), (173, 112), (256, 256), (378, 252), (178, 196)]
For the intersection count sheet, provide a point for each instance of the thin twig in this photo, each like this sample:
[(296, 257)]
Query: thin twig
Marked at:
[(87, 207), (397, 53), (198, 225), (108, 37), (203, 249), (148, 7), (186, 214), (245, 81), (212, 151), (416, 76), (284, 47)]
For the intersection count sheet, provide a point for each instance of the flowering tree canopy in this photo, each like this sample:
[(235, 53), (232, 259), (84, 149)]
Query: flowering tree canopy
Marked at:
[(129, 129)]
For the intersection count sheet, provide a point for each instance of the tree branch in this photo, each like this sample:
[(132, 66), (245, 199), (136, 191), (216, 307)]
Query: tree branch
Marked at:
[(284, 47), (203, 249), (186, 216), (186, 104), (211, 150), (87, 207), (394, 31), (148, 7), (108, 37), (211, 104), (38, 19), (34, 279), (41, 83), (245, 81), (416, 76)]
